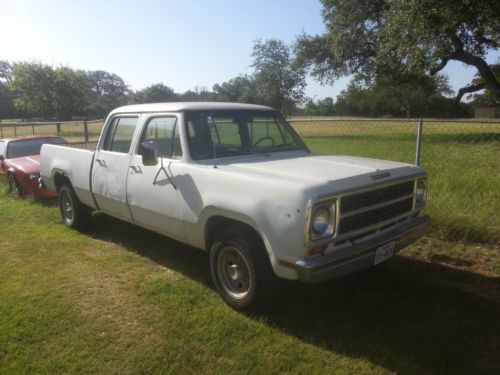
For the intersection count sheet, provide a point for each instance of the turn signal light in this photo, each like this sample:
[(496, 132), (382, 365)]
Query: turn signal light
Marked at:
[(316, 250)]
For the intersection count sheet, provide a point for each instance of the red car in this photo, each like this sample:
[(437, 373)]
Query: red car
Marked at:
[(20, 164)]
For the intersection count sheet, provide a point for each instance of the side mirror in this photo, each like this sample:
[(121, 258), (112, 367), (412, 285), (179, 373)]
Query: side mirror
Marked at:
[(149, 152)]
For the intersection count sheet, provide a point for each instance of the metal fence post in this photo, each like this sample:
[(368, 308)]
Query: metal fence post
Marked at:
[(85, 129), (420, 128), (15, 131), (58, 127)]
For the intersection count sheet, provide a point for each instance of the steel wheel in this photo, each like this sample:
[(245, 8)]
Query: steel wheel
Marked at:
[(73, 213), (234, 272), (67, 209)]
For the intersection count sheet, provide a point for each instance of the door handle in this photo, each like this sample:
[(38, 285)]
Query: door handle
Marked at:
[(101, 162), (136, 168)]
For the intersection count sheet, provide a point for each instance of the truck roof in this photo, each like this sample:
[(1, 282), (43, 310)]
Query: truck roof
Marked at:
[(182, 106)]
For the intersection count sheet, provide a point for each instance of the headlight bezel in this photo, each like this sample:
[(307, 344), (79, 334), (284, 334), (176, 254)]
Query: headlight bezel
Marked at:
[(421, 192), (316, 209)]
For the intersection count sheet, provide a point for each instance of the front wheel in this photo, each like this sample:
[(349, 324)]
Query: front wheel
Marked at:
[(241, 271), (73, 213), (15, 189)]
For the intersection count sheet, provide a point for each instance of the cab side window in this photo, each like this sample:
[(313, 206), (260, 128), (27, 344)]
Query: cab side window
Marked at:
[(119, 134), (165, 132)]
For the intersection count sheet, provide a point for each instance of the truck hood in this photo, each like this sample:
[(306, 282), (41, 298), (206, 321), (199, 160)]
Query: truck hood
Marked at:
[(27, 164), (314, 169)]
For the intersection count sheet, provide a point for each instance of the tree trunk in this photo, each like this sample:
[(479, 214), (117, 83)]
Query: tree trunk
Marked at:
[(490, 81)]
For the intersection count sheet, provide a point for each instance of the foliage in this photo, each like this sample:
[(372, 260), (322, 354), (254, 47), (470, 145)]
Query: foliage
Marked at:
[(42, 90), (153, 94), (378, 37), (393, 96), (238, 89), (323, 107), (276, 81), (486, 98), (107, 91)]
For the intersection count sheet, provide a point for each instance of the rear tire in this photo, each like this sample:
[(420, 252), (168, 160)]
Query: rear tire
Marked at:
[(241, 270), (74, 214), (16, 191)]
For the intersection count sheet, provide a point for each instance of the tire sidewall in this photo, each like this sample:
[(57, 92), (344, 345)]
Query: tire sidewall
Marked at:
[(66, 191), (256, 296)]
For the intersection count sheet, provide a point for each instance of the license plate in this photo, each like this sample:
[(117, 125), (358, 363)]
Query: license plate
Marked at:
[(384, 252)]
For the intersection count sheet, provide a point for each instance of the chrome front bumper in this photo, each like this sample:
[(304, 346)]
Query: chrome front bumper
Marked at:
[(360, 254)]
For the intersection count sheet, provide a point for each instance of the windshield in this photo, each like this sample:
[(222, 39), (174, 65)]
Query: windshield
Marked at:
[(26, 147), (238, 132)]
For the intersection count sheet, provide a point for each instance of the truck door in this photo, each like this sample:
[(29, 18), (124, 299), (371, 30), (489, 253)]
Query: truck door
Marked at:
[(111, 165), (153, 191)]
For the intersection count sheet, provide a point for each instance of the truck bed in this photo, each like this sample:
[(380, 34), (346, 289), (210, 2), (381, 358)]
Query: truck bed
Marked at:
[(76, 164)]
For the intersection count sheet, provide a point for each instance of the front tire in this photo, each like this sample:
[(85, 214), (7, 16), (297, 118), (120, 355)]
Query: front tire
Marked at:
[(16, 191), (73, 213), (241, 270)]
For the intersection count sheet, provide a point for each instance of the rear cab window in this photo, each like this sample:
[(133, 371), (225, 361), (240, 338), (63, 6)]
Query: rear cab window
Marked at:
[(120, 133)]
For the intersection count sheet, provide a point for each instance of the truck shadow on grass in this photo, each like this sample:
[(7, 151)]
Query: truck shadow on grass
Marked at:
[(407, 316)]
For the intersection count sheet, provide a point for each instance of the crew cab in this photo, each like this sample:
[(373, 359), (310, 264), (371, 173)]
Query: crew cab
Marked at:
[(20, 164), (238, 181)]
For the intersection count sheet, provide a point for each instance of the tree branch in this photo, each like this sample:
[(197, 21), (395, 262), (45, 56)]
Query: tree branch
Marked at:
[(485, 71), (469, 89), (439, 66)]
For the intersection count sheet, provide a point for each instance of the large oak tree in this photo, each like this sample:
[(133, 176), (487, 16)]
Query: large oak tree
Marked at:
[(377, 37)]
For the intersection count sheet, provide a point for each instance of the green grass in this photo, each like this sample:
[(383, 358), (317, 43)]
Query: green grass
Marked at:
[(119, 299)]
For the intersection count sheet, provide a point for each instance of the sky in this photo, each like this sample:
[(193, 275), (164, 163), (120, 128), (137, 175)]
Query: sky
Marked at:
[(181, 43)]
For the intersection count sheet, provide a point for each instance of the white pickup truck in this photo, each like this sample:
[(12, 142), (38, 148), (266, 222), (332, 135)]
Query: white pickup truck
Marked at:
[(237, 180)]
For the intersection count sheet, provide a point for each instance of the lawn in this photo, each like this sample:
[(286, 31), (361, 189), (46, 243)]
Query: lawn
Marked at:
[(120, 299)]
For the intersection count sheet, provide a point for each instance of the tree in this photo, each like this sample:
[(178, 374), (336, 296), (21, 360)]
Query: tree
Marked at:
[(7, 109), (487, 98), (238, 89), (69, 90), (276, 82), (155, 93), (107, 91), (5, 71), (199, 94), (398, 96), (44, 91), (323, 107), (408, 36)]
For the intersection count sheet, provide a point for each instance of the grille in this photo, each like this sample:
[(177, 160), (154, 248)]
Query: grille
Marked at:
[(369, 198), (353, 221)]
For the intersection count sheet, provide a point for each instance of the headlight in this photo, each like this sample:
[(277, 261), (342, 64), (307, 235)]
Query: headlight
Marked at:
[(322, 220), (34, 176), (421, 192)]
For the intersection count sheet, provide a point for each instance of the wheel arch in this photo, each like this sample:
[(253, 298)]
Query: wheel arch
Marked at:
[(60, 179), (218, 222)]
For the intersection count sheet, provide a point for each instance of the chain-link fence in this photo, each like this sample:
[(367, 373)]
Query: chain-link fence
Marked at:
[(462, 159)]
